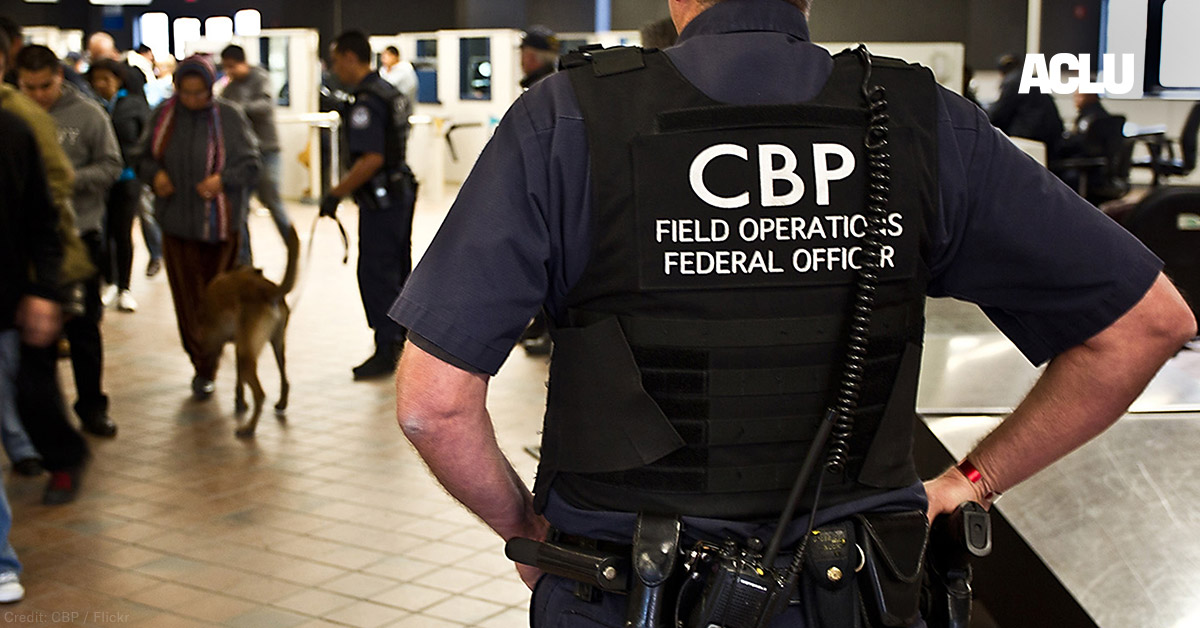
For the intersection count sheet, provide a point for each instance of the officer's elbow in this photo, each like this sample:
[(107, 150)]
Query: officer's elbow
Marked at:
[(1179, 327), (1165, 320)]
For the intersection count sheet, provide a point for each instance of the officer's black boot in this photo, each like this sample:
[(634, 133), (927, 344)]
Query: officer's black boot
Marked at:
[(381, 363)]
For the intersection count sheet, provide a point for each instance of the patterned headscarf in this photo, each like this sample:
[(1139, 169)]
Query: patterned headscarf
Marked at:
[(216, 210)]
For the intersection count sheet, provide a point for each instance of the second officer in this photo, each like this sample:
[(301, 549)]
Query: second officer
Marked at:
[(375, 123)]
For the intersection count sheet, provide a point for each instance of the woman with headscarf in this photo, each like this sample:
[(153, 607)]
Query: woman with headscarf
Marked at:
[(198, 156), (129, 113)]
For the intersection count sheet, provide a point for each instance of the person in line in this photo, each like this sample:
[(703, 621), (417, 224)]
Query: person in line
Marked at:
[(86, 135), (376, 127), (539, 54), (400, 73), (691, 394), (25, 458), (101, 45), (250, 87), (17, 42), (157, 91), (40, 403), (28, 300), (199, 156), (129, 113)]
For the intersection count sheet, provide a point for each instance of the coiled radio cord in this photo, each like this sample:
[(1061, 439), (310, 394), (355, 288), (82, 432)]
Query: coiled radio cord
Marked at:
[(838, 426)]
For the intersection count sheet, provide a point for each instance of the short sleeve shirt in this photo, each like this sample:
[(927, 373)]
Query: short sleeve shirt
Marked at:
[(1046, 267), (365, 121)]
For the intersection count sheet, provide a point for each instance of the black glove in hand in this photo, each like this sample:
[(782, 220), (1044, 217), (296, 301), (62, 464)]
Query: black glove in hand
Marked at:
[(329, 205)]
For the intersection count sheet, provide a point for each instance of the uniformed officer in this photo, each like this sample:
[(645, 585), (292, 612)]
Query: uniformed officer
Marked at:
[(692, 221), (376, 131)]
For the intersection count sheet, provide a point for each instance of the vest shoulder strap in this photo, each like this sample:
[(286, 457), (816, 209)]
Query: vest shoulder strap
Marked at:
[(604, 61)]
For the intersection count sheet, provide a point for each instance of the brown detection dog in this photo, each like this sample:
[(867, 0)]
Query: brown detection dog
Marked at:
[(245, 308)]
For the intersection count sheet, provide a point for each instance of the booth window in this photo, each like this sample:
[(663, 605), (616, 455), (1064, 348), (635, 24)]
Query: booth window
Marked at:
[(187, 29), (426, 65), (247, 23), (274, 53), (1180, 47), (475, 71), (218, 28), (154, 30)]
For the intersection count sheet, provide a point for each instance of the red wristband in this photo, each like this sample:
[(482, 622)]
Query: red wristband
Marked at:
[(969, 471), (975, 477)]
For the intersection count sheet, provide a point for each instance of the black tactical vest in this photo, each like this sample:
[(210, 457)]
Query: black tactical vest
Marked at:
[(704, 339), (399, 109)]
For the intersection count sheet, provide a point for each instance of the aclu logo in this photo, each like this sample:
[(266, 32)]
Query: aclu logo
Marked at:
[(1067, 73)]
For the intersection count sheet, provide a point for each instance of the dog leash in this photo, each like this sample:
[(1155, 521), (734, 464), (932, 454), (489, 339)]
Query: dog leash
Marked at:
[(312, 236)]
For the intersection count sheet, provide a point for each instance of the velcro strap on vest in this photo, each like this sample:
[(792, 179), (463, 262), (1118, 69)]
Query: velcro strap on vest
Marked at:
[(649, 332), (766, 381), (738, 382), (769, 116), (752, 431), (619, 60)]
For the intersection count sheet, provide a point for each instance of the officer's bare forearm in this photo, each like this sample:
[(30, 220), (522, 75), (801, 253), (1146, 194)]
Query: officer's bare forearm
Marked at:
[(361, 171), (441, 410), (1086, 389)]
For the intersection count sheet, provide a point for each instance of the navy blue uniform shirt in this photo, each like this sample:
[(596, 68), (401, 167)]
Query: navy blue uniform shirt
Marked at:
[(1047, 268), (365, 121)]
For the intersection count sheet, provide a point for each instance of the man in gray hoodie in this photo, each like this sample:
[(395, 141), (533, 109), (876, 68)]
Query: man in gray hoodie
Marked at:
[(250, 87), (87, 137)]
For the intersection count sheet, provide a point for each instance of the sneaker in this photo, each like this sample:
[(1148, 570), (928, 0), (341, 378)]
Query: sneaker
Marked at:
[(153, 267), (109, 296), (126, 302), (202, 388), (28, 467), (63, 487), (99, 424), (10, 588)]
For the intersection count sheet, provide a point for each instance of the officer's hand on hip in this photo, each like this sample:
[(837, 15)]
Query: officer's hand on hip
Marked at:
[(537, 528), (948, 490), (329, 205)]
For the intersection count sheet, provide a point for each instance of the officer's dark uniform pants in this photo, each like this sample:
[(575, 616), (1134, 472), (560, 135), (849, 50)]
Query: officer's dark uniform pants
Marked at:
[(384, 262), (43, 414), (555, 605), (83, 332)]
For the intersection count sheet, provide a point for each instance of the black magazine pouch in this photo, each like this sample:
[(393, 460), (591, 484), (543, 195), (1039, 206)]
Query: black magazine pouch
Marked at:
[(893, 547)]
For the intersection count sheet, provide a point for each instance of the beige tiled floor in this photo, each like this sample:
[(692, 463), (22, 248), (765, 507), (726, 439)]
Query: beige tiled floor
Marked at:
[(326, 519)]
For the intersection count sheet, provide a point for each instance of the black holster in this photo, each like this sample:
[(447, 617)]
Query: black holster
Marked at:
[(655, 553), (893, 546), (954, 539), (388, 189)]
